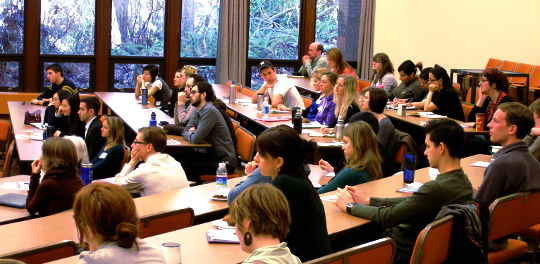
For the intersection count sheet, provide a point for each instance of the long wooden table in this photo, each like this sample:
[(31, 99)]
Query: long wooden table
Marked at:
[(195, 249), (10, 214)]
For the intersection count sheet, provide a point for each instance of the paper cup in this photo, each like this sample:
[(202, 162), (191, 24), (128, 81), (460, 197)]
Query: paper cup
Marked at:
[(172, 253)]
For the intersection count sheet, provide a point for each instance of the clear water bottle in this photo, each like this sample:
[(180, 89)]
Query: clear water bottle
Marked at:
[(265, 109), (221, 176), (153, 121)]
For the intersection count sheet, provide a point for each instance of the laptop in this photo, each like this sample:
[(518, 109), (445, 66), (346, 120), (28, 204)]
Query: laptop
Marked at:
[(13, 200)]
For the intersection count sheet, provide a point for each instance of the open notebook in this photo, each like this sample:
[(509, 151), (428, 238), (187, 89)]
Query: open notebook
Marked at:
[(13, 200)]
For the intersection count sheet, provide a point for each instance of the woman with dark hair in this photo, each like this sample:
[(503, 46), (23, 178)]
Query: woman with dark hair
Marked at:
[(156, 86), (282, 155), (443, 98), (337, 63), (326, 115), (410, 85), (261, 216), (493, 92), (109, 160), (60, 183), (383, 72), (363, 161), (106, 219), (72, 124), (51, 112), (374, 100)]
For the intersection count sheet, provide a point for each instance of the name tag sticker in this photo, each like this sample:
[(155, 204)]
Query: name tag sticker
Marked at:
[(103, 155)]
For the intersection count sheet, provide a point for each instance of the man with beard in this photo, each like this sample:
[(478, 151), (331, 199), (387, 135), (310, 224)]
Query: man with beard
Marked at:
[(180, 79), (183, 110), (207, 124)]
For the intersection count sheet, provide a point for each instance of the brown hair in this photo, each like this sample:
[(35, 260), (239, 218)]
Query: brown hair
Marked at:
[(155, 136), (535, 107), (116, 130), (366, 149), (518, 114), (266, 207), (387, 66), (335, 55), (497, 77), (92, 102), (59, 153), (108, 210)]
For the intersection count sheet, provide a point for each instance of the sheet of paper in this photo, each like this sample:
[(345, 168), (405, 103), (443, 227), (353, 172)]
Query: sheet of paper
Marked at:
[(329, 198), (480, 164), (19, 185)]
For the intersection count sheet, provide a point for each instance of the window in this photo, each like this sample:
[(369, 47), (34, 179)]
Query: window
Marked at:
[(67, 27), (273, 29), (9, 74), (11, 27), (337, 26), (199, 31), (256, 79), (138, 28), (76, 72)]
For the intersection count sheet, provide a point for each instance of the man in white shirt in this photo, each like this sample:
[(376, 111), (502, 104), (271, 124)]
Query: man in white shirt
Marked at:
[(314, 60), (88, 110), (283, 95), (159, 172)]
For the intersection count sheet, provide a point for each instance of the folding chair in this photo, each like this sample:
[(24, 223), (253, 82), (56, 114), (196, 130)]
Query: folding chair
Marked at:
[(167, 221), (46, 253), (433, 243), (8, 160), (380, 251), (508, 215)]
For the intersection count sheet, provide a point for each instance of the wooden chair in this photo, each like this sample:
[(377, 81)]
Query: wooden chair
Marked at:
[(46, 253), (307, 101), (493, 63), (467, 108), (167, 221), (433, 243), (5, 133), (245, 146), (380, 251), (509, 66), (508, 215), (362, 84), (8, 160)]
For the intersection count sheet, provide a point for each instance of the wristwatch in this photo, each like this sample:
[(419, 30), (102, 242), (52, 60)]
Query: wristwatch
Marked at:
[(349, 207)]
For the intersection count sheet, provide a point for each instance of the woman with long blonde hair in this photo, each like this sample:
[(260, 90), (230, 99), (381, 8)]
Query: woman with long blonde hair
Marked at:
[(345, 97), (109, 160), (363, 161)]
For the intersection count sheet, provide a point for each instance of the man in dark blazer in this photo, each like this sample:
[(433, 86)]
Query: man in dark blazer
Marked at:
[(89, 108)]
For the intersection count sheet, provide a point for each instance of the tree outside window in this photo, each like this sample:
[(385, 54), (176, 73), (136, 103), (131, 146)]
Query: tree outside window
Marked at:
[(11, 27), (9, 74), (199, 31), (78, 73)]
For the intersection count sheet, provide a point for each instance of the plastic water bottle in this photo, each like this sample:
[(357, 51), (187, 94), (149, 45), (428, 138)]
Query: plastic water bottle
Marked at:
[(153, 121), (221, 176), (265, 109)]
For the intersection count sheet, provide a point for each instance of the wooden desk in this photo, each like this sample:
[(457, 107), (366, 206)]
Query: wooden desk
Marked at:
[(28, 150), (304, 85), (10, 214), (136, 116)]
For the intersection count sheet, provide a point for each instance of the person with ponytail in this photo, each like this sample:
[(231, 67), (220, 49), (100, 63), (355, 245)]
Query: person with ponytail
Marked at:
[(106, 219), (410, 85), (261, 217), (282, 155)]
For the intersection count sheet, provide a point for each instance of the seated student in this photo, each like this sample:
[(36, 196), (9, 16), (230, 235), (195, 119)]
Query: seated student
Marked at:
[(338, 64), (405, 217), (60, 183), (72, 124), (55, 74), (374, 100), (419, 99), (363, 162), (442, 98), (183, 110), (532, 139), (180, 79), (88, 110), (158, 173), (82, 154), (284, 96), (314, 61), (410, 85), (513, 169), (345, 98), (207, 125), (327, 108), (388, 165), (51, 112), (383, 73), (281, 155), (156, 86), (311, 112), (106, 218), (261, 228), (108, 161)]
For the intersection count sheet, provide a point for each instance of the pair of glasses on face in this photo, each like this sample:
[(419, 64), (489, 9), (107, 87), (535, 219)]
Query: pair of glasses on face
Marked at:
[(140, 142), (432, 80), (194, 91), (377, 61)]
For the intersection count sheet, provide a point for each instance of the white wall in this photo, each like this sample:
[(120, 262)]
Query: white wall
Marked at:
[(458, 33)]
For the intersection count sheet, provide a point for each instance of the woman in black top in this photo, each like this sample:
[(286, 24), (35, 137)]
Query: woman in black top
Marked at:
[(443, 98), (72, 124)]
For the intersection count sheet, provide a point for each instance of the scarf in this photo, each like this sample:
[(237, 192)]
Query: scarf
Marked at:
[(492, 106)]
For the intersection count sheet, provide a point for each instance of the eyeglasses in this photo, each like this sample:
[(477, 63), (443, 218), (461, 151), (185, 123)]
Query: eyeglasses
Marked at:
[(140, 142), (432, 80), (194, 91), (483, 80), (377, 61)]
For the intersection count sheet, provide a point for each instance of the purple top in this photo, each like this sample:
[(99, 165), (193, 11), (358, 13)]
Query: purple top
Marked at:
[(326, 114)]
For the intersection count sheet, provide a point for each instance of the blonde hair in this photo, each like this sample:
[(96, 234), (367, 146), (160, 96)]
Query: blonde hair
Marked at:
[(266, 207), (189, 69), (366, 149), (116, 131), (319, 73), (108, 210), (349, 95)]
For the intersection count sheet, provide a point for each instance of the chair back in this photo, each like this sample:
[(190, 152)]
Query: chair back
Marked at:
[(247, 91), (125, 158), (523, 68), (512, 213), (235, 124), (5, 130), (8, 160), (468, 100), (380, 251), (400, 152), (467, 108), (245, 144), (456, 86), (493, 63), (508, 66), (46, 253), (237, 86), (535, 77), (362, 84), (433, 243), (167, 221), (307, 101)]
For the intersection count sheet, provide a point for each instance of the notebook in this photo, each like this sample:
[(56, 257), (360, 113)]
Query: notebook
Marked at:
[(13, 200)]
